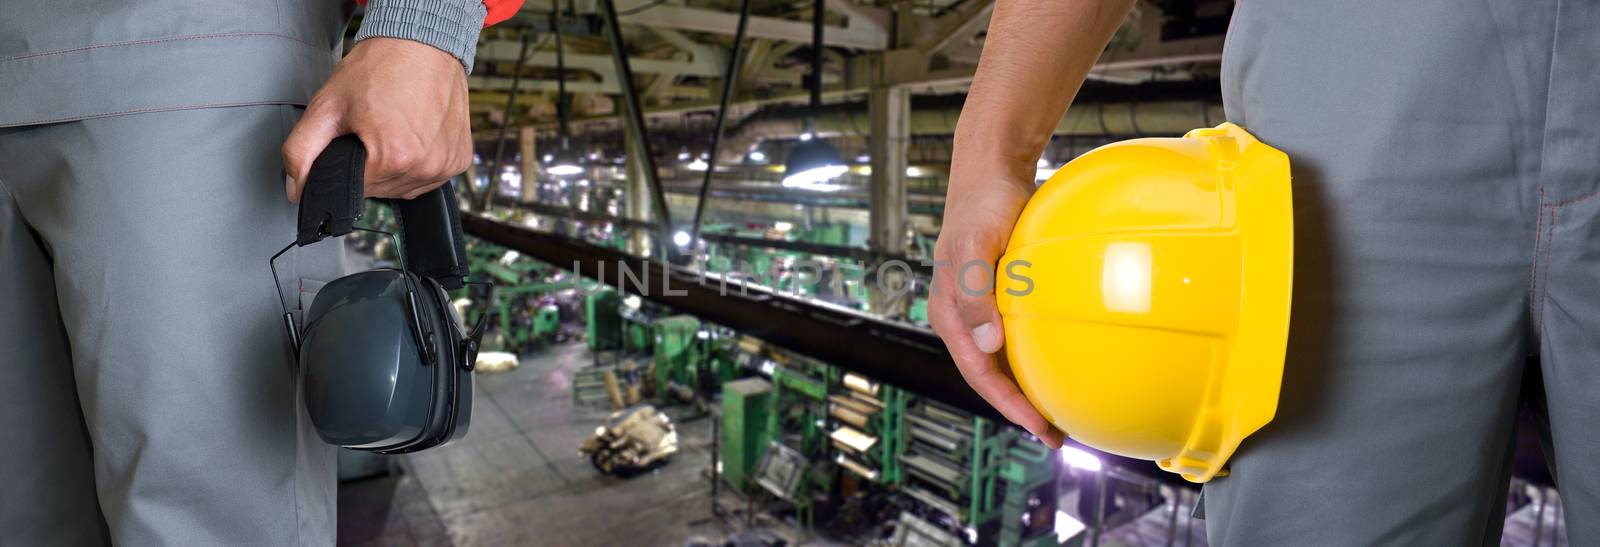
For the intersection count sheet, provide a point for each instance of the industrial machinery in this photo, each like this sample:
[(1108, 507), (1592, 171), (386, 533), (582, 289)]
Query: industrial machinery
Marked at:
[(980, 476), (797, 436), (677, 356), (866, 428), (631, 441), (604, 325), (637, 336), (911, 531), (743, 429)]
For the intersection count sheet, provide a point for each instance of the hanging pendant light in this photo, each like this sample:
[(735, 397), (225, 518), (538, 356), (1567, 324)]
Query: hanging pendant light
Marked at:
[(565, 162), (813, 163)]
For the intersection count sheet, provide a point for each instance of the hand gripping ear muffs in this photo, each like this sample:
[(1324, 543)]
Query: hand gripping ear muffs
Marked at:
[(384, 363)]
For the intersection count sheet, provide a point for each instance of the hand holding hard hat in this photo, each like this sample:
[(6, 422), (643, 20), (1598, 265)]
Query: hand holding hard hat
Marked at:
[(1156, 319)]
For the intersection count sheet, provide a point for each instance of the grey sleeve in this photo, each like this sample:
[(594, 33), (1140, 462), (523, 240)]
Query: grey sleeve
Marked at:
[(450, 25)]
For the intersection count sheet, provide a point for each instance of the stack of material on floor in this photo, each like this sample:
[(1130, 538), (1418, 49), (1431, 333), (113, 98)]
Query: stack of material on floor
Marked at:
[(495, 361), (631, 441)]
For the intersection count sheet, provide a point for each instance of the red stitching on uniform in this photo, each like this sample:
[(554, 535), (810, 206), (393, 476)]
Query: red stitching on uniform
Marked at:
[(1544, 274), (1540, 276), (160, 40), (148, 110), (1576, 199), (1533, 269)]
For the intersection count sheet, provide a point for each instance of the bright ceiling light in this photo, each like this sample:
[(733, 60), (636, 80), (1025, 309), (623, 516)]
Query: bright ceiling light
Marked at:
[(812, 163), (698, 165), (565, 163), (681, 239), (815, 178), (758, 156)]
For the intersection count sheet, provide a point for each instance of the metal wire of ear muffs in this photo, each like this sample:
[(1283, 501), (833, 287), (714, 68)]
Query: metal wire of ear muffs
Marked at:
[(423, 338)]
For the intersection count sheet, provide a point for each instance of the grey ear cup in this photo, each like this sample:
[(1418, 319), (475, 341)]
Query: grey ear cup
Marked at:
[(384, 363), (366, 381)]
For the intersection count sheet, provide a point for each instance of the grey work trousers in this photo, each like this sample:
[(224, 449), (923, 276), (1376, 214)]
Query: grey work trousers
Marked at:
[(1446, 163), (150, 396)]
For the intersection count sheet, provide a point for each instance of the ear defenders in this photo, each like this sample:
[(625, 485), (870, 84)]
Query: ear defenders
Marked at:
[(384, 364)]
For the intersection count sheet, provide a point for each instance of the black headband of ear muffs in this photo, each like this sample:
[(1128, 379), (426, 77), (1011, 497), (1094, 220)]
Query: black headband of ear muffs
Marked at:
[(430, 224), (331, 203)]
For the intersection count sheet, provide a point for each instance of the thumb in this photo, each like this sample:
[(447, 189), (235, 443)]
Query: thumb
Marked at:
[(319, 126), (974, 281)]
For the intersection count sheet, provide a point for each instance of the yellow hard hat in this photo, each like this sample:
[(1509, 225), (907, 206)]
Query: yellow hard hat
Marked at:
[(1155, 312)]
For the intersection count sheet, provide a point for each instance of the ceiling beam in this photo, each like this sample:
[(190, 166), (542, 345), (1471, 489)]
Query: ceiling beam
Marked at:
[(503, 83), (608, 87), (720, 22), (506, 51)]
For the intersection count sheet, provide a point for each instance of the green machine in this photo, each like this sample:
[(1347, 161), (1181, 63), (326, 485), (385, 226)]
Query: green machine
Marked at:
[(1029, 488), (800, 399), (600, 310), (547, 323), (525, 325), (919, 311), (676, 352), (799, 405), (878, 417), (985, 475), (637, 335), (744, 428)]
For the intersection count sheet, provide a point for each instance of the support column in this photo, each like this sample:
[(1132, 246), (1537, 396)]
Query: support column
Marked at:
[(530, 164), (636, 194), (890, 110)]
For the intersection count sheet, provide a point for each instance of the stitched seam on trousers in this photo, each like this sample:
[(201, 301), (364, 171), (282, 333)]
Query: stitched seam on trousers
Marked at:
[(1576, 200), (158, 41), (1544, 271), (150, 110), (1533, 269)]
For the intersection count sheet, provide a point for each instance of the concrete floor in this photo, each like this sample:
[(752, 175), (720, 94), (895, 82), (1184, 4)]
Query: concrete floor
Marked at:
[(517, 477)]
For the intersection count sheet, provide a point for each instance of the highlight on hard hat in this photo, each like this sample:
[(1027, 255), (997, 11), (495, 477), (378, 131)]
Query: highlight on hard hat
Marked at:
[(1157, 320)]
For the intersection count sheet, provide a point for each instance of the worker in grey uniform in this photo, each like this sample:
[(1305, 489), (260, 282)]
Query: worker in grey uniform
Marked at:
[(150, 394), (1446, 168)]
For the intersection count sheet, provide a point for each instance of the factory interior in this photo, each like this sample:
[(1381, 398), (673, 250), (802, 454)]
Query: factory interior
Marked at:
[(688, 344)]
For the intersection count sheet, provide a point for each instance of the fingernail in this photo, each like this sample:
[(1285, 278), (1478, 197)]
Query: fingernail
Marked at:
[(288, 187), (987, 337)]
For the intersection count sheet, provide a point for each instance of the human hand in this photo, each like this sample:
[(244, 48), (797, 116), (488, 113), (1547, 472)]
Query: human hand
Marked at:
[(979, 214), (406, 100)]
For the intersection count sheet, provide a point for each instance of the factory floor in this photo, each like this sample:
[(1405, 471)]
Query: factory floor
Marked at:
[(517, 477)]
